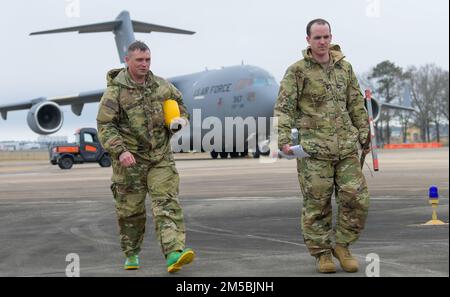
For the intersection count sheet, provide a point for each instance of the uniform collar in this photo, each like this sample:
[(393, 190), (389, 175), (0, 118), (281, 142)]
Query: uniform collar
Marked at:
[(150, 80), (336, 55)]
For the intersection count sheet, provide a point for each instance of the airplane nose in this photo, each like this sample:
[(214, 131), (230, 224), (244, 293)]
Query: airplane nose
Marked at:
[(266, 98), (265, 102), (263, 109)]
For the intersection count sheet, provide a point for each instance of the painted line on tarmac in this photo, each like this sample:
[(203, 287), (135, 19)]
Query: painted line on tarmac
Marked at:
[(404, 267), (13, 203), (252, 198), (77, 232), (231, 233), (276, 240), (69, 179)]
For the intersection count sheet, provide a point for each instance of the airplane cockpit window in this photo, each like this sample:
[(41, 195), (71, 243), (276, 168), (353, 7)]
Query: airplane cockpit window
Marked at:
[(271, 81), (263, 81), (260, 81), (257, 82)]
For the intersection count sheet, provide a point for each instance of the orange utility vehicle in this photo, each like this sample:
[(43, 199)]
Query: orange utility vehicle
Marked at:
[(86, 149)]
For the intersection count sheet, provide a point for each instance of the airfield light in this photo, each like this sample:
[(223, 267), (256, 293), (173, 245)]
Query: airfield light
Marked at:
[(433, 194), (433, 198)]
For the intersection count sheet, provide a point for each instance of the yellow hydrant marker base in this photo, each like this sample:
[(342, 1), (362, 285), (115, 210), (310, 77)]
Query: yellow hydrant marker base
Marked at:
[(434, 223)]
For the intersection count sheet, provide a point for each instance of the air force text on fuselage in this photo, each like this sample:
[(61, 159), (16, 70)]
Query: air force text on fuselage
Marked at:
[(201, 92)]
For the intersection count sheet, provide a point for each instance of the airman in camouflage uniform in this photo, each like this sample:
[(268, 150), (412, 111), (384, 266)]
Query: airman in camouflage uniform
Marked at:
[(322, 99), (131, 122)]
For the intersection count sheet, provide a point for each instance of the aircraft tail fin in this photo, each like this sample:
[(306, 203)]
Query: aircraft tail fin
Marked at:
[(122, 27), (406, 101)]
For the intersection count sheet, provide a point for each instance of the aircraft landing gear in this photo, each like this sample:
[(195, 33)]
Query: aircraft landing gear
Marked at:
[(224, 155), (234, 155), (244, 154), (258, 153)]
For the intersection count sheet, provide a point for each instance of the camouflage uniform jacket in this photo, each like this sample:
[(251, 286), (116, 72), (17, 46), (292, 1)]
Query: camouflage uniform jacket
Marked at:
[(130, 116), (325, 105)]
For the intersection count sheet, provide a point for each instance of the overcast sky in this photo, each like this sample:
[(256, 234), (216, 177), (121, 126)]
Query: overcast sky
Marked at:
[(268, 34)]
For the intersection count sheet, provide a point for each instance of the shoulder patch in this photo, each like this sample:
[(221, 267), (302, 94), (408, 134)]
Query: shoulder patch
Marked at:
[(112, 104)]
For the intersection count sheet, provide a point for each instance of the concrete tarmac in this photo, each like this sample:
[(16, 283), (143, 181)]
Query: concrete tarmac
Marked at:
[(242, 218)]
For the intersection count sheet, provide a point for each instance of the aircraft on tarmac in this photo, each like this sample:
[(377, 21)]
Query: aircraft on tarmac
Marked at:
[(238, 91)]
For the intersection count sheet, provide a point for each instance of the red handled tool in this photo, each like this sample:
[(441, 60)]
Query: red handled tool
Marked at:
[(373, 142)]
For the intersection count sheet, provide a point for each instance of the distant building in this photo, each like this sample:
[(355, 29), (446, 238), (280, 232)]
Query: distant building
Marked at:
[(42, 143), (52, 139), (48, 141), (8, 146), (19, 145), (413, 135)]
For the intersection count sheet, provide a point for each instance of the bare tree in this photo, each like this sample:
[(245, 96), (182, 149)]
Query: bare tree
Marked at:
[(440, 103), (426, 85), (388, 77), (444, 95)]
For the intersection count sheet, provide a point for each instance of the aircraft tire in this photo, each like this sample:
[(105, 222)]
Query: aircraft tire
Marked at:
[(234, 155), (256, 154), (243, 154)]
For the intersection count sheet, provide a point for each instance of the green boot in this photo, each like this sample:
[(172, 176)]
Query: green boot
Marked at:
[(175, 260), (132, 263)]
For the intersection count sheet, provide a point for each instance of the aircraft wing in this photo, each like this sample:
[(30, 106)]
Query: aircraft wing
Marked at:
[(148, 28), (99, 27), (397, 107), (77, 101)]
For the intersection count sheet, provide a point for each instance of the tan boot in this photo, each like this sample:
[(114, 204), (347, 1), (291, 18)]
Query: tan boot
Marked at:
[(347, 261), (325, 263)]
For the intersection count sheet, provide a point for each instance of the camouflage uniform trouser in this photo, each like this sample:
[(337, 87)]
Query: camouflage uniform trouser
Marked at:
[(130, 187), (318, 179)]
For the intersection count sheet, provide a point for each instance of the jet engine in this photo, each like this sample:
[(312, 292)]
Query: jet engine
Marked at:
[(45, 117), (376, 106)]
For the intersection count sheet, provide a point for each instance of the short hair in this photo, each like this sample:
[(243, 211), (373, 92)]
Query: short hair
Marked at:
[(137, 45), (316, 21)]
